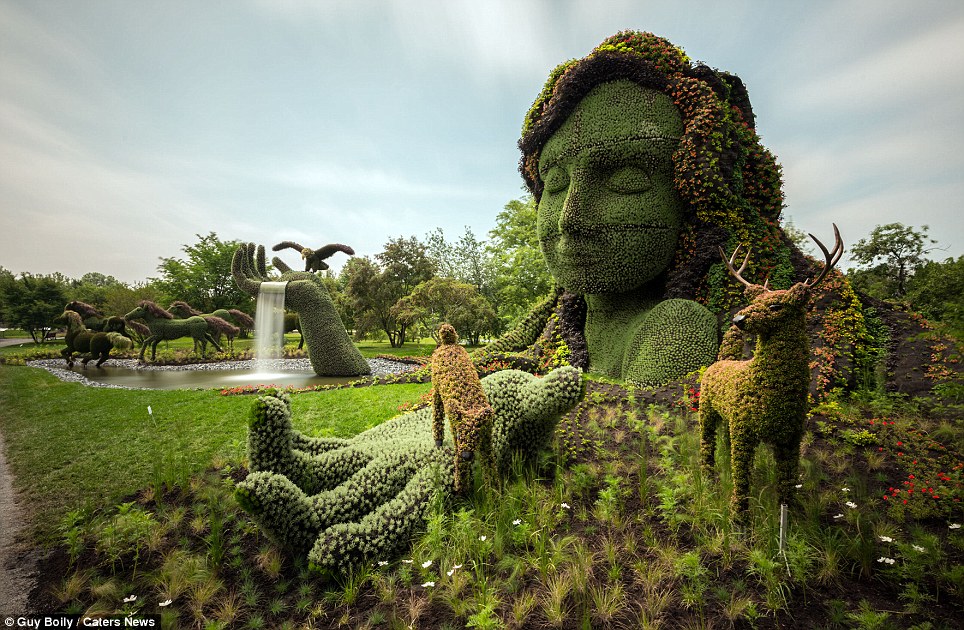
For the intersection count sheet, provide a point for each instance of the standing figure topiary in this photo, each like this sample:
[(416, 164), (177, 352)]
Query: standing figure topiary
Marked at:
[(457, 393), (763, 399)]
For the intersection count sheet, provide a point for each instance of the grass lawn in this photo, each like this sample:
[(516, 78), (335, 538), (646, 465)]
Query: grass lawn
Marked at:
[(70, 445), (619, 527)]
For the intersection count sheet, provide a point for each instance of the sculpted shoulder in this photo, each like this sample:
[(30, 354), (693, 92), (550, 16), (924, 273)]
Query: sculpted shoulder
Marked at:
[(675, 338)]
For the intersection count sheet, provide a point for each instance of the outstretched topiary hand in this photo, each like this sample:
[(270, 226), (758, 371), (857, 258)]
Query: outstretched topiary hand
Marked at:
[(330, 350), (314, 258), (341, 501)]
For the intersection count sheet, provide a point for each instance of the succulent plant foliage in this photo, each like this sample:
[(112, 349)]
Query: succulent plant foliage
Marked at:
[(341, 501)]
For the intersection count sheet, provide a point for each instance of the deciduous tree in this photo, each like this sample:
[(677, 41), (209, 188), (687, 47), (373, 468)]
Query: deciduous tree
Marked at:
[(203, 279), (891, 255), (32, 302), (519, 274)]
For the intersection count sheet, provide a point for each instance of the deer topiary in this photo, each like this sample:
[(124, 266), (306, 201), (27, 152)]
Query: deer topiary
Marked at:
[(763, 399), (457, 393)]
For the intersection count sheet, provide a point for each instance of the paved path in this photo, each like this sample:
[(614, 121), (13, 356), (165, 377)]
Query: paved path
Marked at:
[(15, 341), (17, 561)]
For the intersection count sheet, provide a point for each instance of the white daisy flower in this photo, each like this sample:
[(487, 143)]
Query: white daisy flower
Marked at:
[(565, 505), (428, 584), (851, 505), (382, 563), (482, 538), (954, 526), (838, 516), (886, 539), (886, 560), (919, 549), (407, 561), (166, 602), (517, 521), (130, 599), (426, 564), (845, 489)]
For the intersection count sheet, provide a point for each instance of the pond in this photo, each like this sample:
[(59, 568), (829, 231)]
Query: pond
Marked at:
[(129, 374)]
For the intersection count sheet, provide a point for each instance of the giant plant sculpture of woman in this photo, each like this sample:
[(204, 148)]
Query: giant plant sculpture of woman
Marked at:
[(642, 165), (330, 350)]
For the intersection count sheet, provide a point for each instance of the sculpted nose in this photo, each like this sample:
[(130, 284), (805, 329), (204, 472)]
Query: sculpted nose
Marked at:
[(573, 219)]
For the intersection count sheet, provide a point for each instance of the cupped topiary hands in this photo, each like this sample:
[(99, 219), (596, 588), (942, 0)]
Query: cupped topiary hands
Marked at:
[(330, 350), (344, 500)]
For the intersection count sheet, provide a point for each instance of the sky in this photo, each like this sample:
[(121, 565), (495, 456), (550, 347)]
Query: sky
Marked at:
[(128, 127)]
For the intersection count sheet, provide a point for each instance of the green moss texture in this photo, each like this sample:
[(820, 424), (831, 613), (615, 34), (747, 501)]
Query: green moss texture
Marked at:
[(341, 501)]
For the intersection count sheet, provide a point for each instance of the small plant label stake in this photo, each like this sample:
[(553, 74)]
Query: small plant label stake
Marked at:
[(784, 521)]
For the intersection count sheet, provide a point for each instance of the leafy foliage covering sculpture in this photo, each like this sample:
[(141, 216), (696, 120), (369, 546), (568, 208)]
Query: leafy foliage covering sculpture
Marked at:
[(330, 350), (90, 343), (642, 164), (164, 326), (457, 393), (342, 501), (315, 258), (94, 318), (182, 309), (763, 399)]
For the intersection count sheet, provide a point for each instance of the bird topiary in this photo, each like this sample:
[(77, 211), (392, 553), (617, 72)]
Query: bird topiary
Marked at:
[(315, 258)]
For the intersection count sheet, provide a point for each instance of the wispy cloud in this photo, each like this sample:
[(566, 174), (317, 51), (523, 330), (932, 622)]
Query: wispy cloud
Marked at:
[(372, 180)]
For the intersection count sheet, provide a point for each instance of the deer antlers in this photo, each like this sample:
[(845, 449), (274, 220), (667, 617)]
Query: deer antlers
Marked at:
[(831, 259)]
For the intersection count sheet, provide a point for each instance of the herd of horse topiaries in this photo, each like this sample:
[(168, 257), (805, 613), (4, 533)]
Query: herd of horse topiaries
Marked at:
[(646, 169)]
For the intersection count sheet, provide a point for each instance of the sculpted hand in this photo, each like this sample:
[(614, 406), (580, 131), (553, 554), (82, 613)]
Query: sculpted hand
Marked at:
[(330, 350)]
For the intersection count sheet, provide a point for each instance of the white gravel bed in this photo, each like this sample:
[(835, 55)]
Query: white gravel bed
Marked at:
[(379, 367)]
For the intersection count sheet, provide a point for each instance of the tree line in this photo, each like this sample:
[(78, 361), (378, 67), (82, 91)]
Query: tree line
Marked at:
[(480, 287), (401, 293)]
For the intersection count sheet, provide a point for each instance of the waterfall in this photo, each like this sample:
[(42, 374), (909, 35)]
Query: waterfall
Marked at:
[(269, 324)]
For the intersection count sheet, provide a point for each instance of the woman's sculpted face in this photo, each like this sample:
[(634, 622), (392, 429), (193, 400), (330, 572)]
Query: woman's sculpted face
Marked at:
[(610, 216)]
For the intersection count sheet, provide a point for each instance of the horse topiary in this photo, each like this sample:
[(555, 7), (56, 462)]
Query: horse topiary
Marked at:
[(95, 320), (164, 326), (236, 320), (88, 342)]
